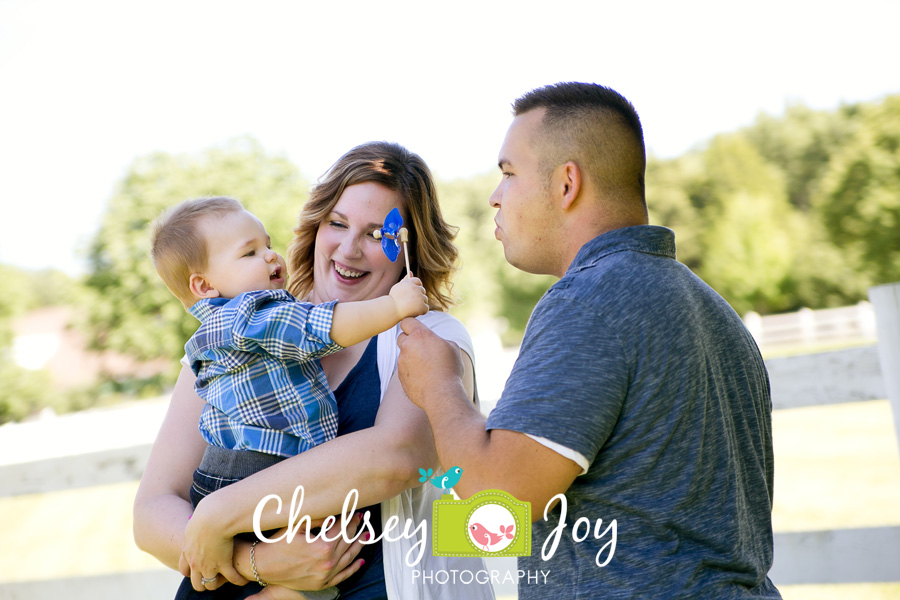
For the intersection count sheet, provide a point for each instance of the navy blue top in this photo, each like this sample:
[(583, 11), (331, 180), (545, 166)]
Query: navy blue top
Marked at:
[(358, 398)]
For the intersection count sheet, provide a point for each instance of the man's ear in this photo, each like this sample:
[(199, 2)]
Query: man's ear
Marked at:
[(201, 288), (568, 183)]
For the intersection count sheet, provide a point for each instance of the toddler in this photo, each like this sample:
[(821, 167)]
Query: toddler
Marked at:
[(256, 351)]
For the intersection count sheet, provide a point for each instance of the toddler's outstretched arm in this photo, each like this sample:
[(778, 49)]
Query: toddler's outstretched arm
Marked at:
[(354, 322)]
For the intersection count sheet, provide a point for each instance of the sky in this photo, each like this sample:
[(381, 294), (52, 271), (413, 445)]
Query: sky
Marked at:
[(90, 86)]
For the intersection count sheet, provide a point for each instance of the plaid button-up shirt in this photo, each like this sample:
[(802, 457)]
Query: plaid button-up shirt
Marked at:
[(256, 361)]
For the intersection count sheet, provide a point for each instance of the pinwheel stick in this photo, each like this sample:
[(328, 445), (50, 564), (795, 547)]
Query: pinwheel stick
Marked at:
[(404, 237)]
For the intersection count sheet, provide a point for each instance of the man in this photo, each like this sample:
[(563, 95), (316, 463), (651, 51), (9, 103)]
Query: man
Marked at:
[(638, 392)]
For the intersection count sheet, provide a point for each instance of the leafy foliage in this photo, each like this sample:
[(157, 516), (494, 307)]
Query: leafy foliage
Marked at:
[(25, 391), (859, 196), (801, 210)]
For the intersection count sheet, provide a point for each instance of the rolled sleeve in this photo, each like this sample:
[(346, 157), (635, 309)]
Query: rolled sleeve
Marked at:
[(569, 381)]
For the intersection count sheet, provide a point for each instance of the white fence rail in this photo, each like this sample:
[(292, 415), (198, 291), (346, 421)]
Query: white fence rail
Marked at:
[(807, 327)]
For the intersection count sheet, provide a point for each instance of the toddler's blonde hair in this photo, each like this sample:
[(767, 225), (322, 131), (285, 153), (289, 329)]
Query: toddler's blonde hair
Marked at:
[(178, 246)]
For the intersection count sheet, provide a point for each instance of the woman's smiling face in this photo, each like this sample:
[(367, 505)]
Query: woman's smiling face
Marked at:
[(349, 264)]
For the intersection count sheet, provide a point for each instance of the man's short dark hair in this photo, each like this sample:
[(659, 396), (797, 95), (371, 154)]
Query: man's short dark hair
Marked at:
[(593, 125)]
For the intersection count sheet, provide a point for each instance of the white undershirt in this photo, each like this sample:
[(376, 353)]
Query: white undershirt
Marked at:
[(576, 457)]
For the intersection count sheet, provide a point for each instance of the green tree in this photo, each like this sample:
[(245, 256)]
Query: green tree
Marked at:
[(15, 299), (734, 225), (800, 144), (25, 391), (130, 310), (751, 228), (674, 189), (859, 196), (797, 210)]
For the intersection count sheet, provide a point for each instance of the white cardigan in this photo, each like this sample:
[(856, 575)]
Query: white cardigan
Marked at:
[(416, 503)]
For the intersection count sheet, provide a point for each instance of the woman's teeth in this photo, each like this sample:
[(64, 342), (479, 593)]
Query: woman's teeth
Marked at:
[(348, 273)]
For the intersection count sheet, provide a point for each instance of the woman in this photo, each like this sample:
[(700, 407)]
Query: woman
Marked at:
[(382, 439)]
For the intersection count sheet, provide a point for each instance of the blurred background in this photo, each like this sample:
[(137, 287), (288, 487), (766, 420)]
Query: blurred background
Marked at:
[(772, 128)]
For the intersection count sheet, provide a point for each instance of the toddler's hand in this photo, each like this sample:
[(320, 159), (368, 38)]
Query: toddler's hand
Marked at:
[(409, 297)]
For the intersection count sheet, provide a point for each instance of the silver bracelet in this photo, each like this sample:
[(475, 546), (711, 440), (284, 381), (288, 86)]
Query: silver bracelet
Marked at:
[(253, 565)]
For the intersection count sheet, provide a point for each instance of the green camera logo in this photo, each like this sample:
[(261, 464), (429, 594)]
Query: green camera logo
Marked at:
[(490, 523)]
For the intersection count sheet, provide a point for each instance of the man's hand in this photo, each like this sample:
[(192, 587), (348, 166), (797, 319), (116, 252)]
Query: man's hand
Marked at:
[(429, 369), (427, 363), (409, 297)]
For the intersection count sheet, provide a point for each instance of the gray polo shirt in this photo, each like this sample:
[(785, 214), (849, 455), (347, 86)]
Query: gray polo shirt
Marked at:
[(635, 364)]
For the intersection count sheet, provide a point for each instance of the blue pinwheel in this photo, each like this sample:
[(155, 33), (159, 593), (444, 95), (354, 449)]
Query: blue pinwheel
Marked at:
[(390, 234)]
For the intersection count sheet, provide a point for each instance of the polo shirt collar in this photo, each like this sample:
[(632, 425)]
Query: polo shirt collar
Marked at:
[(649, 239)]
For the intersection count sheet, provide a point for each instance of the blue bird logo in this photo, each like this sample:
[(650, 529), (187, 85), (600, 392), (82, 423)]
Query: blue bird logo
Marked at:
[(442, 482)]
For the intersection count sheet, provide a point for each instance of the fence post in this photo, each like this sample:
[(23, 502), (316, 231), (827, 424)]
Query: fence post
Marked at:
[(886, 300), (753, 323), (866, 316), (807, 319)]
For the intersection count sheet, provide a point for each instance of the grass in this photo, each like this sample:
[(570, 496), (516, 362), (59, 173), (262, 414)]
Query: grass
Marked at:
[(70, 533), (836, 467)]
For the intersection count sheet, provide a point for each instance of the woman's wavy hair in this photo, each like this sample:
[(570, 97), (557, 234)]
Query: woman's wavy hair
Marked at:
[(432, 257)]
